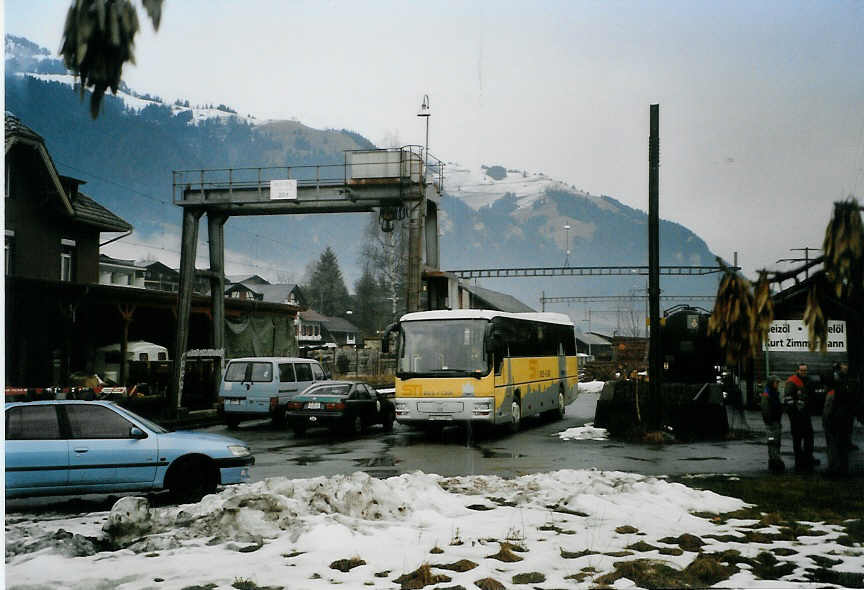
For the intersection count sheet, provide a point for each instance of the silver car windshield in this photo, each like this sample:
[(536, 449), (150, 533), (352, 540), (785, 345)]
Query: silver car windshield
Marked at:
[(443, 347)]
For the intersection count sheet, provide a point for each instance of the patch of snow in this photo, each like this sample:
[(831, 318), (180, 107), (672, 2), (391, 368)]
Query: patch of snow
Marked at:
[(587, 432), (278, 529), (591, 386)]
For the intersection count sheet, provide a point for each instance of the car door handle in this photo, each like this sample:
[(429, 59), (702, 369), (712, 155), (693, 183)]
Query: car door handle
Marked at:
[(81, 450)]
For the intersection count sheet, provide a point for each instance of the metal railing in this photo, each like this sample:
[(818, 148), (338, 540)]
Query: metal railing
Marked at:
[(405, 165)]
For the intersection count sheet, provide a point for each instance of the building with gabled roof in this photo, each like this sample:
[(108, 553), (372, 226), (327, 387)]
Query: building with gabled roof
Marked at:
[(52, 229)]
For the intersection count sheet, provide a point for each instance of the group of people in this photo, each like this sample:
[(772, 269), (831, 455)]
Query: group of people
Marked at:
[(843, 403)]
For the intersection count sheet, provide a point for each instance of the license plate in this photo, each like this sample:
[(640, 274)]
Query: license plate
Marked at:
[(313, 405), (234, 402)]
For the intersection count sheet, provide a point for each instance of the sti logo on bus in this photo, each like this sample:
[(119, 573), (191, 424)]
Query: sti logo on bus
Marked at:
[(412, 390)]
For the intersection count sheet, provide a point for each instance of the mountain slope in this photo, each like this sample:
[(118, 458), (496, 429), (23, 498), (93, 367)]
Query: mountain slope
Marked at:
[(492, 217)]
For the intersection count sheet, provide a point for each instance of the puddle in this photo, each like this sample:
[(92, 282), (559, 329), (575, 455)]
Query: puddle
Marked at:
[(640, 459), (704, 459)]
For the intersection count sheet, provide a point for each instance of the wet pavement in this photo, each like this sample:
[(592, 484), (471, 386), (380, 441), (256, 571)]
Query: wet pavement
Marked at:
[(536, 448)]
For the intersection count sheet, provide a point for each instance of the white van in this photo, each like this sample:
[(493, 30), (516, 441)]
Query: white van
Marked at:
[(257, 387), (107, 362)]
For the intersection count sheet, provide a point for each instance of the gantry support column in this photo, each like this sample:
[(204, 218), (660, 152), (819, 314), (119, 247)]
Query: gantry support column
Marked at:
[(188, 252), (216, 233), (415, 257)]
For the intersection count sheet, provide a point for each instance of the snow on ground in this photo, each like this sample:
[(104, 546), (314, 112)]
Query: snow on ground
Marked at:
[(293, 533), (591, 387), (587, 432)]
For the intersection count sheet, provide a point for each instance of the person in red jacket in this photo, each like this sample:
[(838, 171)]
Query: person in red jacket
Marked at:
[(772, 415), (796, 397)]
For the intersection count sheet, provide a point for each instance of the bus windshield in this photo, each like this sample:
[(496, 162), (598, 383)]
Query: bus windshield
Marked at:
[(443, 348)]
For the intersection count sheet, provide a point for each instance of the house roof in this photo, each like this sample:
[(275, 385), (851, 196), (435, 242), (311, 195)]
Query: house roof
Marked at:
[(592, 339), (274, 293), (253, 279), (498, 301), (80, 206), (157, 265), (92, 213), (18, 133), (103, 259), (338, 325), (310, 315)]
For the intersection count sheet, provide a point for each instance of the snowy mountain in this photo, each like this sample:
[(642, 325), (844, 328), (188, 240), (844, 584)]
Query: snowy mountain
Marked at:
[(493, 217)]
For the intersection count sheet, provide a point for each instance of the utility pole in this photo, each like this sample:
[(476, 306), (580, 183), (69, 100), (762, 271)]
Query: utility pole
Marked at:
[(655, 354), (805, 260)]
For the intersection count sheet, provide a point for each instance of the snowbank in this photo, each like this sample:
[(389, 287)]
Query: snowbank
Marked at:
[(282, 532)]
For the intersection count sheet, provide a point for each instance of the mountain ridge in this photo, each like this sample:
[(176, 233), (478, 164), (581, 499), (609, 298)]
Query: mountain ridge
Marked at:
[(494, 217)]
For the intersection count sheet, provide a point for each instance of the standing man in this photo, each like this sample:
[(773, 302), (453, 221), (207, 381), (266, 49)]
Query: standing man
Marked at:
[(842, 404), (772, 415), (796, 396)]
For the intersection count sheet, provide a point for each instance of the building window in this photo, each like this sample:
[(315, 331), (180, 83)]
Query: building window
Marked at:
[(350, 338), (9, 259), (67, 260)]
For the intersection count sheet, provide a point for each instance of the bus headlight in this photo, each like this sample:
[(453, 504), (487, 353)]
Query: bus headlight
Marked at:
[(482, 408), (401, 408)]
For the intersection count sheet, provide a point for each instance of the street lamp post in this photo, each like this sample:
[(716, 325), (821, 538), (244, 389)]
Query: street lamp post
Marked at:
[(567, 244), (425, 113)]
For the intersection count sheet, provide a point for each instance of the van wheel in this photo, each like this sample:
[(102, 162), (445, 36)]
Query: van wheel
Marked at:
[(515, 415), (232, 422)]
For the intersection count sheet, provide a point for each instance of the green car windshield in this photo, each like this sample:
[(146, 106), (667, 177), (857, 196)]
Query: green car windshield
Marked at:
[(443, 348)]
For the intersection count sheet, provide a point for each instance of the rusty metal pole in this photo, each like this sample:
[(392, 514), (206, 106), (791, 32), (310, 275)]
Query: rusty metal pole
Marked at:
[(655, 353), (188, 250), (216, 234)]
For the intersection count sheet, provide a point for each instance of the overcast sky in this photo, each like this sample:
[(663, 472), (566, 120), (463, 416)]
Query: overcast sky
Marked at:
[(761, 103)]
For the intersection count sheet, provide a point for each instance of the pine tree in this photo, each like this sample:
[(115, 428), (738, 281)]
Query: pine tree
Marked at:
[(367, 303), (326, 287)]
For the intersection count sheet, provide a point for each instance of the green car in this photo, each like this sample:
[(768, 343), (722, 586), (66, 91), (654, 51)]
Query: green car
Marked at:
[(346, 406)]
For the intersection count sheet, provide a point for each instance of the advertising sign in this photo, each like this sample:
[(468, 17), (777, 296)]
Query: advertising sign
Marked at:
[(792, 336)]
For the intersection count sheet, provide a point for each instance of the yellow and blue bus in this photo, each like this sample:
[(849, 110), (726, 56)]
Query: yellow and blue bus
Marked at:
[(472, 366)]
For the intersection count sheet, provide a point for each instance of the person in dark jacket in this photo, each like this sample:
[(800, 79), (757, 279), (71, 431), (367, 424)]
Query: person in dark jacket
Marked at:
[(842, 405), (772, 415), (796, 397)]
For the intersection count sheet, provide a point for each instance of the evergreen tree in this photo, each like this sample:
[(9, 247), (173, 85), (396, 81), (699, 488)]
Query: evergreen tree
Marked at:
[(367, 303), (326, 287)]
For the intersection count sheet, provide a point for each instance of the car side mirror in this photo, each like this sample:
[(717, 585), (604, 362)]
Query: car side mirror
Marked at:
[(136, 432)]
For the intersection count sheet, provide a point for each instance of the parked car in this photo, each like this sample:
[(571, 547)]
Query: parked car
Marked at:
[(349, 406), (74, 447), (257, 387)]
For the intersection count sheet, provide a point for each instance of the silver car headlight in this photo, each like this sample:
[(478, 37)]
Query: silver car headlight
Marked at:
[(239, 450)]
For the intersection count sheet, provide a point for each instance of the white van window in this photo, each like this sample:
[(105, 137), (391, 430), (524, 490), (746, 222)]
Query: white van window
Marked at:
[(236, 372), (286, 373), (262, 372), (304, 371), (318, 372), (142, 356)]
